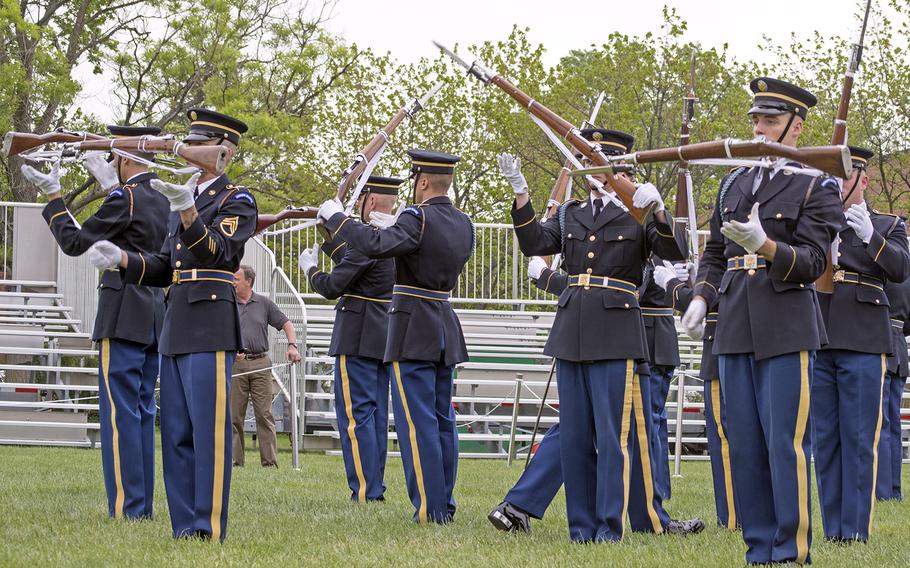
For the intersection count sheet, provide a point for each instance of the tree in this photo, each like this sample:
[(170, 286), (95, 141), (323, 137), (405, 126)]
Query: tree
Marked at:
[(42, 41)]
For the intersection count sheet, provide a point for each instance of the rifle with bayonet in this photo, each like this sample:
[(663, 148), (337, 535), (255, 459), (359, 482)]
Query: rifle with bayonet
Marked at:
[(833, 160), (563, 186), (14, 143), (685, 213), (360, 168), (624, 188), (209, 158), (825, 282)]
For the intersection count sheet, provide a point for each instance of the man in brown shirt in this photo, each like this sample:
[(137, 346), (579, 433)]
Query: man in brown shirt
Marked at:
[(252, 367)]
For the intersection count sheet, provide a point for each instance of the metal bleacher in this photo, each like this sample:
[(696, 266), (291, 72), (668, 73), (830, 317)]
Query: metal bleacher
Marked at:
[(503, 345), (49, 384)]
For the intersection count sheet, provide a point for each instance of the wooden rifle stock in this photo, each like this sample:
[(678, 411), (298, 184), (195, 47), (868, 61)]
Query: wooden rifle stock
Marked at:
[(833, 160), (354, 171), (17, 142), (825, 282), (624, 188), (212, 159), (263, 222)]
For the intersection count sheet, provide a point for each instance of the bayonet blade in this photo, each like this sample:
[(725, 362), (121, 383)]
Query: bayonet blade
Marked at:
[(422, 101), (596, 110), (453, 55)]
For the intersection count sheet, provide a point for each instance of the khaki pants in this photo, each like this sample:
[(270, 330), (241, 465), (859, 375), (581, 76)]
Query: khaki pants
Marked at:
[(258, 387)]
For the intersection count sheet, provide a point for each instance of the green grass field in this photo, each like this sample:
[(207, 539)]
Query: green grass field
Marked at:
[(53, 512)]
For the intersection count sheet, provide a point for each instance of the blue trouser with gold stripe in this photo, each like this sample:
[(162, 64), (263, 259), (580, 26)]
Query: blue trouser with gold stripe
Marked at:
[(128, 372), (427, 436), (770, 446), (362, 409), (595, 423), (661, 376), (196, 441), (890, 446), (646, 510), (846, 425), (540, 481), (719, 453)]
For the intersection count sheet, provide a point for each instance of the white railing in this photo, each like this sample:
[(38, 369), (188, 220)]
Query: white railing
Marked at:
[(495, 274)]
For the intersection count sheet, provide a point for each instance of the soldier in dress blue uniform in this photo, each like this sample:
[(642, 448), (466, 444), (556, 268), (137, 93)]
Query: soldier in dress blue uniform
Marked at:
[(128, 320), (677, 284), (597, 338), (849, 372), (431, 241), (540, 482), (201, 333), (364, 286), (770, 234), (891, 449)]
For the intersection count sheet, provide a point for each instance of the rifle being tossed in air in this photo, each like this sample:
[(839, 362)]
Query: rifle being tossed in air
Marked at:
[(354, 177)]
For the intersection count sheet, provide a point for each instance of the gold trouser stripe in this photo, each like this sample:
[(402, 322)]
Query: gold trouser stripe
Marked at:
[(724, 455), (644, 454), (624, 429), (415, 450), (115, 442), (878, 432), (802, 482), (355, 445), (220, 424)]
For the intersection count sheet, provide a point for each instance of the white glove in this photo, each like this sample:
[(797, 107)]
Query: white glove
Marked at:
[(695, 315), (663, 274), (103, 171), (329, 208), (180, 196), (698, 332), (105, 255), (535, 267), (645, 195), (749, 235), (383, 220), (48, 183), (308, 258), (859, 220), (685, 271), (510, 166)]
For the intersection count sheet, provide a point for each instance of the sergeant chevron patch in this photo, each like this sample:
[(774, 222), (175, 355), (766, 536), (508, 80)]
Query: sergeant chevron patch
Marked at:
[(228, 225)]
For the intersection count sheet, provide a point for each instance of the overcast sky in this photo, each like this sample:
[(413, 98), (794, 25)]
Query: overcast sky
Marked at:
[(405, 27)]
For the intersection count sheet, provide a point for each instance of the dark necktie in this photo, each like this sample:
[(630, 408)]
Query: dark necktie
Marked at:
[(598, 207)]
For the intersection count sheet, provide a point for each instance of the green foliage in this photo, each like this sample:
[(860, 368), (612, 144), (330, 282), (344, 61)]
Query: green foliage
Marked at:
[(312, 99)]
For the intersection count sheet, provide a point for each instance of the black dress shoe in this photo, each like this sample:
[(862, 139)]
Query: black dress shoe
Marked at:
[(691, 526), (506, 517)]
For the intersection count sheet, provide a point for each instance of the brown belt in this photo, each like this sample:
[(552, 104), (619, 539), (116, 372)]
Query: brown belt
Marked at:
[(254, 356)]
